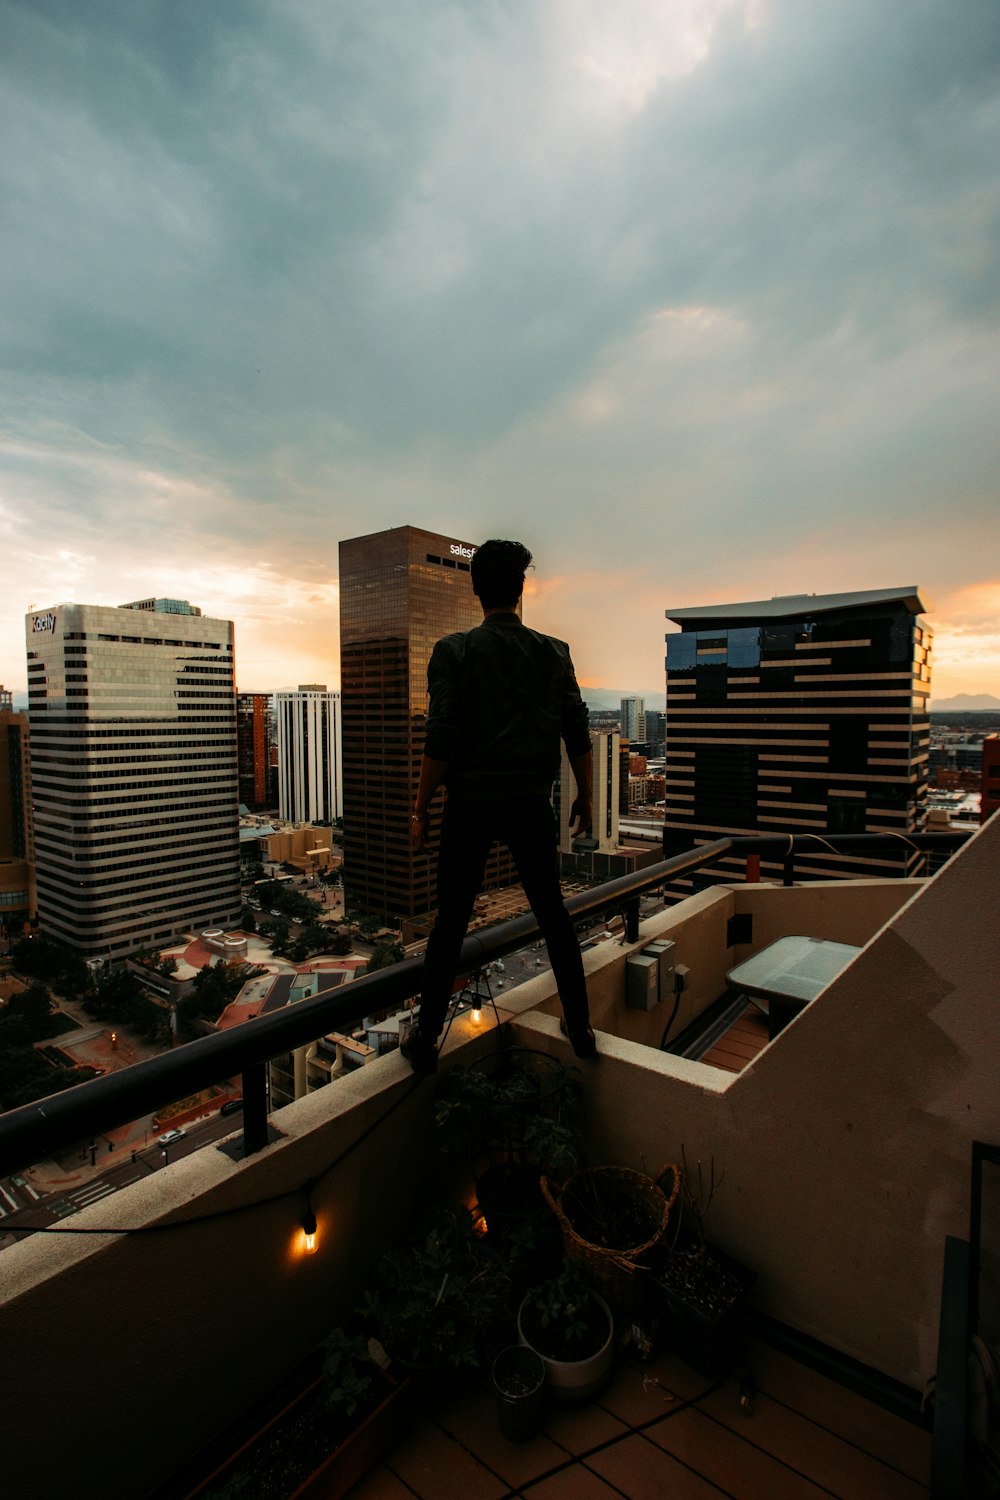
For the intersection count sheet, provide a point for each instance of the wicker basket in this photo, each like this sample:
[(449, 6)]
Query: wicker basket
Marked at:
[(611, 1219)]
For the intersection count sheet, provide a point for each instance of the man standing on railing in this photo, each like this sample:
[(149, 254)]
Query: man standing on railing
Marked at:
[(501, 699)]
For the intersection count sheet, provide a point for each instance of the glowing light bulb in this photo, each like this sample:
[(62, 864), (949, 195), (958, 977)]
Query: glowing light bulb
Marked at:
[(477, 1014), (309, 1230)]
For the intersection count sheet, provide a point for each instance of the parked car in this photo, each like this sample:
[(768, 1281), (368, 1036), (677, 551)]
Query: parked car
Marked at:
[(170, 1137)]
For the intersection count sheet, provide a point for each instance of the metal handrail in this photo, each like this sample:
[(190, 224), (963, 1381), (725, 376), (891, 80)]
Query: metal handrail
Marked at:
[(32, 1132)]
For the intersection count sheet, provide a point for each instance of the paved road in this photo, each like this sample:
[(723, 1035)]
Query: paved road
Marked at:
[(23, 1207)]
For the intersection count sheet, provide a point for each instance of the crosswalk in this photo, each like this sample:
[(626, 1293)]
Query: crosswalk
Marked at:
[(91, 1194)]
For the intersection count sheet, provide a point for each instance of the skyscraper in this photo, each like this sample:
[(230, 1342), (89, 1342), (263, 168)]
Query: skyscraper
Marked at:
[(795, 715), (134, 773), (633, 719), (602, 836), (400, 591), (17, 869), (310, 774), (656, 729), (254, 734)]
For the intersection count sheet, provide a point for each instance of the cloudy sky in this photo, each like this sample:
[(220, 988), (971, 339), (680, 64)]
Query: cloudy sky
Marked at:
[(697, 297)]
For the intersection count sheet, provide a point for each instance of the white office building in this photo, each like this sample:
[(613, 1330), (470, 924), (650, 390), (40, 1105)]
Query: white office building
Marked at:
[(310, 755), (633, 719), (134, 773), (602, 836)]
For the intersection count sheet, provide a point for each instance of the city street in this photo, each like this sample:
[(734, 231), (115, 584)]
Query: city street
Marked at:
[(22, 1206)]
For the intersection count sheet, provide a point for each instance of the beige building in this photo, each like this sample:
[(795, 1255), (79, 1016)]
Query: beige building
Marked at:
[(307, 849), (602, 837)]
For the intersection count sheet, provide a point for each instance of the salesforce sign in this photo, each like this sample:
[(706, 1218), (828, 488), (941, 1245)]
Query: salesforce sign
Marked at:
[(43, 624), (457, 550)]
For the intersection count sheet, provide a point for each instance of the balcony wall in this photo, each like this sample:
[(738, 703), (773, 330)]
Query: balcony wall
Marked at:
[(136, 1348), (844, 1147), (841, 911), (846, 1143)]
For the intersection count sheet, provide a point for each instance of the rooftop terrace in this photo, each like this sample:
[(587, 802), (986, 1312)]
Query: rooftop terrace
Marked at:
[(846, 1148)]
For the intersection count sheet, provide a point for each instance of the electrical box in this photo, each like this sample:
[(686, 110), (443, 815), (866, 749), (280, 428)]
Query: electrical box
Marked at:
[(665, 954), (642, 981)]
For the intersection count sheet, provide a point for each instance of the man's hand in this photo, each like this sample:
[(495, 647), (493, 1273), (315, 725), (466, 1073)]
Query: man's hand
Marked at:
[(420, 831), (582, 811), (582, 815)]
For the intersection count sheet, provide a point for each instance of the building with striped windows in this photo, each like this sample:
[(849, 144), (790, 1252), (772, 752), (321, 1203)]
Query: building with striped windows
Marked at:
[(796, 715), (310, 755), (134, 773)]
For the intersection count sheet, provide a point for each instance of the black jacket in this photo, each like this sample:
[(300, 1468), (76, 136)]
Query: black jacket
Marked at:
[(502, 696)]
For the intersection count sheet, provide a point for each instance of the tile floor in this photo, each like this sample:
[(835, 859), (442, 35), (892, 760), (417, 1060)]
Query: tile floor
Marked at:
[(659, 1430)]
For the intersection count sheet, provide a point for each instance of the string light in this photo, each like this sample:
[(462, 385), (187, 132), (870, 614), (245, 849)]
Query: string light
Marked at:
[(309, 1230)]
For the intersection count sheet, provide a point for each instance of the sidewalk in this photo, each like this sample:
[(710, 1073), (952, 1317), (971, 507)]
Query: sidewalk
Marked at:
[(94, 1047)]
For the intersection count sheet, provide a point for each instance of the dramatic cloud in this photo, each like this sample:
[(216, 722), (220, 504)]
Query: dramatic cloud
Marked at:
[(701, 298)]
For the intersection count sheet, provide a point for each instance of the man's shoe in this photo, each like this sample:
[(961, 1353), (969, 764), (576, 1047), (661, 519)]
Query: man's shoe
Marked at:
[(584, 1043), (420, 1052)]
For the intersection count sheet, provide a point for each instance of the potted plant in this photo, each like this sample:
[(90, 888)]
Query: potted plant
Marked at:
[(516, 1113), (519, 1382), (434, 1301), (697, 1291), (571, 1327)]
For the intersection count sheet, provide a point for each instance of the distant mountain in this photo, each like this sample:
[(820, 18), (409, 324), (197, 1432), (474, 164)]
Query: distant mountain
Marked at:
[(966, 703), (600, 698)]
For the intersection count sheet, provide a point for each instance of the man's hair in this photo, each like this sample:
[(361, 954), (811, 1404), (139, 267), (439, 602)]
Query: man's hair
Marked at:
[(498, 570)]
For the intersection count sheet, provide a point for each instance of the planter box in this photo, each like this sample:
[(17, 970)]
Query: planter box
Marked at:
[(334, 1474), (704, 1338)]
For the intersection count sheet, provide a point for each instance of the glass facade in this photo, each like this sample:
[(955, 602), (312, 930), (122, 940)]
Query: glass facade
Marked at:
[(254, 734), (134, 775), (400, 592), (811, 723)]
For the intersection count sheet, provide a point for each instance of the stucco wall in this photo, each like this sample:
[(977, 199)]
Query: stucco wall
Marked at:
[(846, 1144)]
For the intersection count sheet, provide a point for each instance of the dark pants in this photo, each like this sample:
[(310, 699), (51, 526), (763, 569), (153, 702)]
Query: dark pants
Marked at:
[(468, 830)]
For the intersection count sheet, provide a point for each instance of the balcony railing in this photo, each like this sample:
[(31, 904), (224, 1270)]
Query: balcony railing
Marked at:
[(33, 1132)]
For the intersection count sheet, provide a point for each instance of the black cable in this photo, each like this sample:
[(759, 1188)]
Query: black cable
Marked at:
[(673, 1014), (308, 1187), (630, 1431)]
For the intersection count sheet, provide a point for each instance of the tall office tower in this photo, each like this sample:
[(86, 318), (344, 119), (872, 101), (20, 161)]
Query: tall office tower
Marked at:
[(796, 715), (17, 864), (134, 774), (633, 719), (990, 793), (254, 732), (400, 591), (310, 755), (602, 836), (624, 752), (656, 729)]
